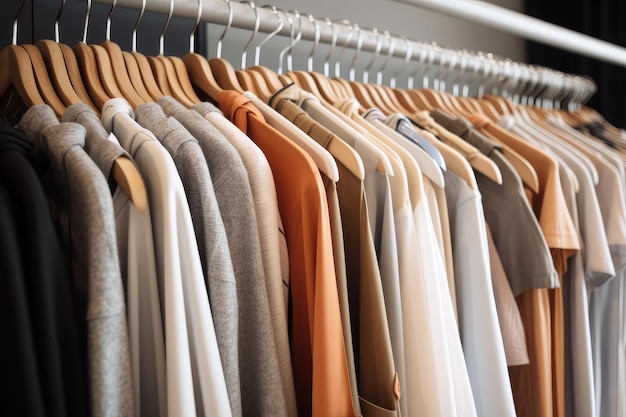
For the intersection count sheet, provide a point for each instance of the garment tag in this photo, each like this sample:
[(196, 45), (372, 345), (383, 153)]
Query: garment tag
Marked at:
[(396, 386)]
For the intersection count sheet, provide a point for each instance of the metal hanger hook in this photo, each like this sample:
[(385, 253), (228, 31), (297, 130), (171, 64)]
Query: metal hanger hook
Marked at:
[(192, 36), (228, 25), (17, 18), (257, 24), (281, 23), (134, 34), (298, 16), (357, 52), (167, 23), (333, 43), (316, 41), (350, 28), (407, 59), (391, 41), (425, 66), (87, 21), (379, 43), (57, 37)]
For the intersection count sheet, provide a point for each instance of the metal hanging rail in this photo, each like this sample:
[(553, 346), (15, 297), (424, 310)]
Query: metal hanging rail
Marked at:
[(343, 34), (526, 27)]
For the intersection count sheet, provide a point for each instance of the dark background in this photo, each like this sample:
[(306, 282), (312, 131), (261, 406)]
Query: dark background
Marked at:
[(603, 19), (37, 22)]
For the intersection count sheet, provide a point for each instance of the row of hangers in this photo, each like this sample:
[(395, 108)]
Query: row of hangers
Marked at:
[(56, 74)]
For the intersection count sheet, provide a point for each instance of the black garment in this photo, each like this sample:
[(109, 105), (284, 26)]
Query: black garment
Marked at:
[(39, 353), (603, 19)]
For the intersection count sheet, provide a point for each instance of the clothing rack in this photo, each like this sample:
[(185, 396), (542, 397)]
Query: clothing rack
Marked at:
[(526, 27), (519, 81)]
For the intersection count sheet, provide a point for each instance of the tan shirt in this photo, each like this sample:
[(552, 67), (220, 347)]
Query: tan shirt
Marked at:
[(539, 387)]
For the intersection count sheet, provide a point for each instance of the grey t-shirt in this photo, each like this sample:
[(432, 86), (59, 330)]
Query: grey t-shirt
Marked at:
[(516, 233)]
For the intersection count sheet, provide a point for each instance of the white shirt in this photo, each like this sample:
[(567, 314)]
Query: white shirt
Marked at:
[(189, 333), (436, 374), (478, 321), (135, 246), (443, 327)]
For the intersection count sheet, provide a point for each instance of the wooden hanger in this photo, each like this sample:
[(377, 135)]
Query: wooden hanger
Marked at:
[(63, 67), (400, 96), (16, 69), (107, 77), (183, 78), (76, 78), (526, 171), (478, 161), (132, 89), (167, 75), (245, 80), (454, 160), (201, 75), (380, 93), (120, 72), (383, 165), (259, 85), (387, 93), (28, 58), (178, 80), (146, 74), (57, 69), (305, 81), (271, 78), (179, 65), (225, 74), (46, 88), (96, 64), (157, 68), (264, 80), (91, 76), (425, 161), (124, 170), (134, 73), (169, 78), (342, 87)]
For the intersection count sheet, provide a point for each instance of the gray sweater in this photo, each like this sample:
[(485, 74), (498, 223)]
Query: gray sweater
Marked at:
[(261, 387), (83, 209)]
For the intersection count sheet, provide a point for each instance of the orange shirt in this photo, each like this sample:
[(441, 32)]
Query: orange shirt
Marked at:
[(317, 348), (538, 388)]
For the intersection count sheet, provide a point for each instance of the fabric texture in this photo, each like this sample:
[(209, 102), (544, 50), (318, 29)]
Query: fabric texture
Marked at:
[(509, 317), (373, 354), (478, 320), (271, 238), (135, 246), (189, 333), (210, 236), (539, 386), (302, 121), (509, 215), (44, 372), (261, 392), (88, 231), (320, 369), (429, 301)]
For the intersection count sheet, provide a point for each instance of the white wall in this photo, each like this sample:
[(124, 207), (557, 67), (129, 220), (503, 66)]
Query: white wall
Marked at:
[(397, 18)]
